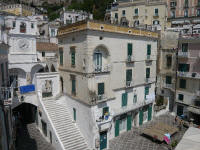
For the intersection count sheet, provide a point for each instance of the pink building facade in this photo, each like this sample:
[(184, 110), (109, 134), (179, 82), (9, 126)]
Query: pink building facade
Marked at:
[(182, 12), (188, 78)]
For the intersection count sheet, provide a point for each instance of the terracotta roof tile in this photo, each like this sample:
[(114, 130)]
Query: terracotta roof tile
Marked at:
[(42, 46)]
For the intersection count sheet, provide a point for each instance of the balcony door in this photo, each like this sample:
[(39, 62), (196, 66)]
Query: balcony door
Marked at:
[(98, 61)]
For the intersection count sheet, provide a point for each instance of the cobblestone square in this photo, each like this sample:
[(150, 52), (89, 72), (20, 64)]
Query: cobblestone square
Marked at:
[(134, 140)]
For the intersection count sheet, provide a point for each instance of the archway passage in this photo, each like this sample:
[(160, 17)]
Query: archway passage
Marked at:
[(26, 113)]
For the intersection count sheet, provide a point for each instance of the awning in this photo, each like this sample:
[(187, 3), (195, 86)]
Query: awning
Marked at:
[(194, 110)]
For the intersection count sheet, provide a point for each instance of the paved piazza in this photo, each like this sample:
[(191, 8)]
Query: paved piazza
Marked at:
[(30, 138), (133, 140)]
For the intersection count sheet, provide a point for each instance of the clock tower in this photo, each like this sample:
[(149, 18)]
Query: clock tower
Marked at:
[(22, 56)]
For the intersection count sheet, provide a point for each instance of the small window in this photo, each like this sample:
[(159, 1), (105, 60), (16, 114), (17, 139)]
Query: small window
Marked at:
[(73, 79), (169, 61), (123, 13), (61, 56), (105, 111), (23, 27), (186, 3), (148, 49), (186, 13), (168, 80), (198, 12), (116, 15), (146, 92), (100, 88), (32, 25), (180, 97), (53, 32), (148, 72), (182, 83), (73, 59), (136, 12), (14, 24), (135, 98), (185, 47), (44, 127), (156, 12), (124, 99), (43, 54), (74, 114), (129, 75)]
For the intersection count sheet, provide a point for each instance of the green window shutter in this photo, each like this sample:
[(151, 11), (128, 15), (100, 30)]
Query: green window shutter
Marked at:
[(130, 49), (147, 72), (146, 92), (148, 49), (73, 58), (136, 11), (124, 99), (73, 86), (61, 57), (105, 110), (184, 47), (141, 117), (129, 75), (149, 113), (168, 80), (156, 11), (74, 112), (116, 128), (100, 88), (129, 122)]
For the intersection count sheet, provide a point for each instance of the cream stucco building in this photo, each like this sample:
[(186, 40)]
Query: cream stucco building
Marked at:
[(135, 13), (108, 76)]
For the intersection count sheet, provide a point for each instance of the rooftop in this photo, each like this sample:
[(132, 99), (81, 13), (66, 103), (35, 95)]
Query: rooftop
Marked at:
[(43, 46), (105, 27)]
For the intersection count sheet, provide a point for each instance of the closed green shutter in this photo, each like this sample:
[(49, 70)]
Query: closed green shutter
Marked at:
[(146, 91), (149, 113), (100, 88), (147, 72), (129, 75), (141, 117), (130, 49), (116, 128), (124, 99), (73, 86), (129, 122), (61, 57), (148, 49), (73, 58)]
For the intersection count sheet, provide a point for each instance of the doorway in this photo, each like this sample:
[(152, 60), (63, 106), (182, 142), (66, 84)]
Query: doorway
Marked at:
[(103, 140)]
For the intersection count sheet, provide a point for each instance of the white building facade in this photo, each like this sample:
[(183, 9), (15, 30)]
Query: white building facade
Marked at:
[(108, 76)]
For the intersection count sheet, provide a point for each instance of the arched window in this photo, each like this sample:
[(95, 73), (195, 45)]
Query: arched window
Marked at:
[(23, 27), (53, 68)]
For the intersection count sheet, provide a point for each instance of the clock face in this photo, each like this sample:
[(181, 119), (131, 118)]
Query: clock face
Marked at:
[(23, 44)]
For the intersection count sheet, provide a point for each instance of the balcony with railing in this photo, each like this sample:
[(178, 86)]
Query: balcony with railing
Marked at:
[(183, 54), (129, 84), (101, 69), (188, 74)]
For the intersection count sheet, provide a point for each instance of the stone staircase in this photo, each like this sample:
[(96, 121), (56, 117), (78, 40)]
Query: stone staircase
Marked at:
[(66, 129)]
